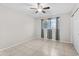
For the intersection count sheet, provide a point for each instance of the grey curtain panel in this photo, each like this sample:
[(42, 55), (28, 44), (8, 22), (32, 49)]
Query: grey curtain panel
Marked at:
[(42, 30), (57, 28), (42, 33), (49, 33)]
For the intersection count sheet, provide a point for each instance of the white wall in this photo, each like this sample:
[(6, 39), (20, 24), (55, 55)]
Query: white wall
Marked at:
[(14, 27), (75, 29), (38, 28), (64, 25)]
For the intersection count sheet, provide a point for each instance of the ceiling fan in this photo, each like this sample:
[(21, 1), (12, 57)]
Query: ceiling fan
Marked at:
[(40, 8)]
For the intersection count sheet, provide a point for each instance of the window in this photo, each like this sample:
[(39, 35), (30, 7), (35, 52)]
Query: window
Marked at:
[(49, 24), (53, 23)]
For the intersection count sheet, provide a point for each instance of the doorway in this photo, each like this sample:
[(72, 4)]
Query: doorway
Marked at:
[(49, 28)]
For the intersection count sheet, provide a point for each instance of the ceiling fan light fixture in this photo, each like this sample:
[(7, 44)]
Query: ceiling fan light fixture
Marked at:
[(39, 9)]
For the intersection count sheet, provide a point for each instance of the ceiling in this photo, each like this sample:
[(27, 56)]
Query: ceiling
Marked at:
[(55, 8)]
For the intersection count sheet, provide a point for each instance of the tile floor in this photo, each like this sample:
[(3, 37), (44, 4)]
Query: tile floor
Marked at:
[(40, 47)]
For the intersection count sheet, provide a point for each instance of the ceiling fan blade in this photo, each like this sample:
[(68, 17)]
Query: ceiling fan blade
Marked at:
[(32, 8), (43, 11), (36, 12), (46, 8), (38, 5)]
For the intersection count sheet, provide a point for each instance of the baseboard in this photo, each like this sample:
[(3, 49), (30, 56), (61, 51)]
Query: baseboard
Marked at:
[(65, 41)]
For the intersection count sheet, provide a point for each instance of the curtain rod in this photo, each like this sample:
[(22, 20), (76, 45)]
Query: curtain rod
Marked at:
[(75, 12)]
